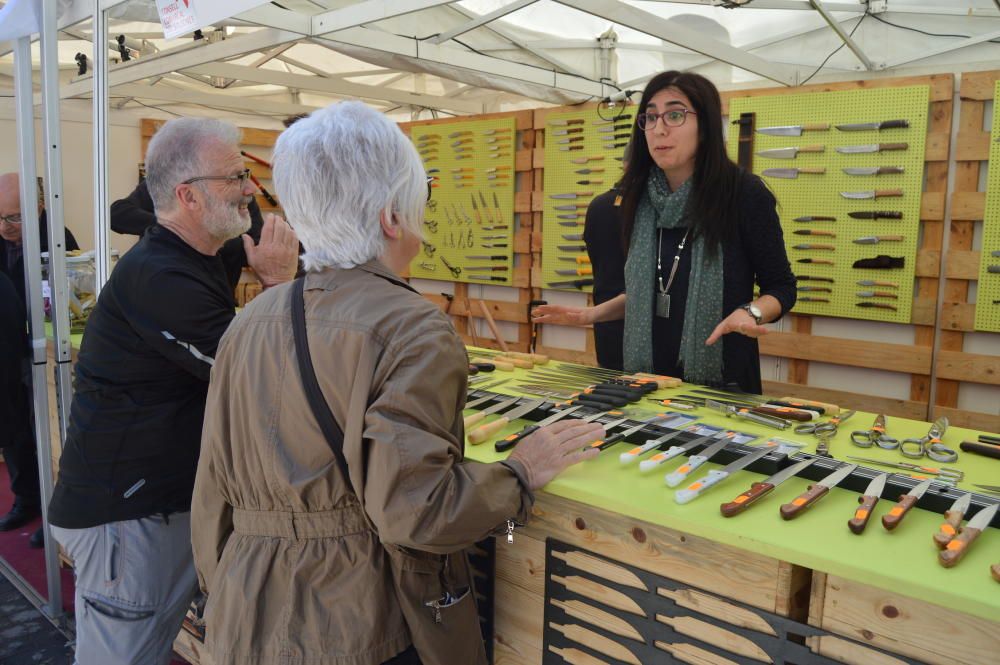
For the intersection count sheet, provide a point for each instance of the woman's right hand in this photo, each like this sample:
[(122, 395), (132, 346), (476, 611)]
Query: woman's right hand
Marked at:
[(562, 315), (546, 453)]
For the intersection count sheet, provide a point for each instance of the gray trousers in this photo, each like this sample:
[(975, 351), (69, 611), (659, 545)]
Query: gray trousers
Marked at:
[(134, 582)]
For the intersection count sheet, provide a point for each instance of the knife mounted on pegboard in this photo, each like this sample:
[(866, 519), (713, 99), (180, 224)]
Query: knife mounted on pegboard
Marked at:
[(744, 152)]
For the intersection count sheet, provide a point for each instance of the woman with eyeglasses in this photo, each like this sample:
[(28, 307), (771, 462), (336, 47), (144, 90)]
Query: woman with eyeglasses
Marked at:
[(699, 231)]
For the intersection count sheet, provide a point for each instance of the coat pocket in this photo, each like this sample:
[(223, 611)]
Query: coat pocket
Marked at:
[(435, 595)]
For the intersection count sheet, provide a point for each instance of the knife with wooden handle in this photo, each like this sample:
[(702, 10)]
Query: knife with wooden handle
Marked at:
[(480, 415), (960, 544), (815, 492), (759, 490), (863, 513), (952, 522), (483, 432), (892, 519)]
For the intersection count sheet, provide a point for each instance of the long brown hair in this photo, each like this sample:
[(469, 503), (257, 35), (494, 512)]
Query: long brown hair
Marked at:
[(712, 206)]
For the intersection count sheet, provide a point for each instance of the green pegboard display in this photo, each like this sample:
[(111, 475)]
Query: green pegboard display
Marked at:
[(812, 194), (471, 212), (988, 291), (583, 152)]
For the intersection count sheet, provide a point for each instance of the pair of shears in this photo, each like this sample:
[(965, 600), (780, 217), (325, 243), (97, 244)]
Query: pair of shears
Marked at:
[(930, 445), (824, 431), (875, 436)]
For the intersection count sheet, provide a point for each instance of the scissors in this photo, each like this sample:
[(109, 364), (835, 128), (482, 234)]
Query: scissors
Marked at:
[(824, 431), (875, 436), (930, 445)]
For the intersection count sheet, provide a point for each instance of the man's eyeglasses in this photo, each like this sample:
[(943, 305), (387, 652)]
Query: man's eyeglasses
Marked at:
[(11, 219), (240, 177), (671, 118)]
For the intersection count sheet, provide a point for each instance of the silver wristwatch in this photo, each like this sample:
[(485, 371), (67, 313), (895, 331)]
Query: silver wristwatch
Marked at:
[(753, 311)]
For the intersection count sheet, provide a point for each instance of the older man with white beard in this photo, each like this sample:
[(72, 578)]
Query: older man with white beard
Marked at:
[(121, 505)]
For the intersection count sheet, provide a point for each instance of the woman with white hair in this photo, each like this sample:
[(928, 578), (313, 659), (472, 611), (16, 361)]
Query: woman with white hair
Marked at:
[(340, 539)]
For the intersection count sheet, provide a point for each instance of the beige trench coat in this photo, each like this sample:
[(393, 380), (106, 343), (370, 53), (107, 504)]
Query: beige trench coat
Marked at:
[(293, 570)]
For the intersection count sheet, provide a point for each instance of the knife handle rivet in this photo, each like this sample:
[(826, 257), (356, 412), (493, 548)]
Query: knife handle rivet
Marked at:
[(580, 524), (639, 535)]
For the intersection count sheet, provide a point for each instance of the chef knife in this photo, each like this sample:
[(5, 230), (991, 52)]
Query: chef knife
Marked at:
[(476, 417), (716, 476), (876, 214), (790, 153), (673, 451), (872, 194), (952, 521), (815, 218), (874, 240), (484, 432), (815, 492), (871, 147), (762, 489), (791, 174), (863, 126), (867, 500), (873, 170), (795, 130), (956, 549), (509, 442), (892, 519)]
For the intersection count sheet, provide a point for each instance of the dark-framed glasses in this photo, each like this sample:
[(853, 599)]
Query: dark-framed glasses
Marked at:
[(240, 177), (671, 118), (12, 219)]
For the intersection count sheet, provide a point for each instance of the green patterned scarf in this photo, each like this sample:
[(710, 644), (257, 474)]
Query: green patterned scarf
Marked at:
[(661, 208)]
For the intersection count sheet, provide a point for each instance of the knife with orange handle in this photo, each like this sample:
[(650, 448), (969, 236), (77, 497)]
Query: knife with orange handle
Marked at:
[(960, 544), (952, 522), (759, 490), (863, 513), (480, 415), (815, 492), (508, 442), (484, 432), (895, 515)]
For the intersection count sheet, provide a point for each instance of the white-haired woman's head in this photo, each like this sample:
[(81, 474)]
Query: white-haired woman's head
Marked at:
[(337, 173)]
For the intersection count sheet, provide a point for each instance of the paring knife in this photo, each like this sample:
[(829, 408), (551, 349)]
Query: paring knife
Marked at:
[(952, 521), (791, 174), (815, 218), (476, 417), (871, 147), (571, 195), (571, 206), (483, 432), (874, 240), (759, 490), (863, 126), (867, 500), (819, 289), (807, 245), (570, 139), (790, 153), (584, 160), (877, 294), (872, 194), (815, 492), (569, 148), (795, 130), (716, 476), (876, 282), (509, 442), (814, 232), (673, 451), (813, 278), (874, 170), (610, 129), (588, 171), (958, 545), (564, 132), (876, 214), (876, 305), (826, 262), (575, 283), (892, 519)]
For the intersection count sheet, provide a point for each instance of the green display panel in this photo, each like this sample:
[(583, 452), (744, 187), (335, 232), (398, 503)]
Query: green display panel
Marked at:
[(988, 293), (469, 221), (583, 153), (836, 287)]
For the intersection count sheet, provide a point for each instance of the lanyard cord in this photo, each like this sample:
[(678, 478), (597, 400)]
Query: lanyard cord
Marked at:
[(673, 268)]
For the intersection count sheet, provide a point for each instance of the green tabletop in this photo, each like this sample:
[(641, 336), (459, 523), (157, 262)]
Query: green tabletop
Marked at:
[(903, 561)]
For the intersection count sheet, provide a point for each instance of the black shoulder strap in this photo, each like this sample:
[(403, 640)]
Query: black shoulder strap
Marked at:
[(321, 410)]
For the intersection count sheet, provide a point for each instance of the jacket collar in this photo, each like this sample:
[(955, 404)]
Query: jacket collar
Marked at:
[(326, 278)]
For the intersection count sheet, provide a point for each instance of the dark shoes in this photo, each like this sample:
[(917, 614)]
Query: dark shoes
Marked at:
[(18, 516), (37, 540)]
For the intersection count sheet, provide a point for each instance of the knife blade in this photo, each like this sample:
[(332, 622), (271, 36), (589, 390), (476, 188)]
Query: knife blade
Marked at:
[(872, 194), (952, 521), (876, 214), (874, 240), (609, 441), (677, 476), (509, 442), (815, 492), (571, 195), (476, 402), (716, 476), (564, 123), (578, 271), (876, 282), (958, 546), (569, 148), (759, 490), (814, 278), (807, 245), (571, 248), (584, 160), (575, 259), (863, 126), (673, 451), (814, 232), (892, 519), (795, 130), (792, 174), (571, 206), (572, 236), (826, 262), (476, 417), (815, 218), (570, 139), (790, 153), (564, 132), (634, 454), (877, 294), (575, 283), (867, 500), (588, 171), (874, 170), (570, 216), (483, 432), (871, 147)]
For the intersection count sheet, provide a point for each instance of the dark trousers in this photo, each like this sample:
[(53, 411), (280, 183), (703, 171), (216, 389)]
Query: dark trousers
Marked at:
[(408, 657), (21, 456)]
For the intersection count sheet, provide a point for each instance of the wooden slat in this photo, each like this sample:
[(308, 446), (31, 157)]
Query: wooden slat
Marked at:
[(932, 206), (924, 313), (962, 264), (937, 147), (522, 120), (501, 310), (522, 202), (928, 263), (854, 353), (569, 355), (985, 422), (798, 370), (969, 206), (978, 85), (964, 366), (958, 316), (972, 146), (903, 408)]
